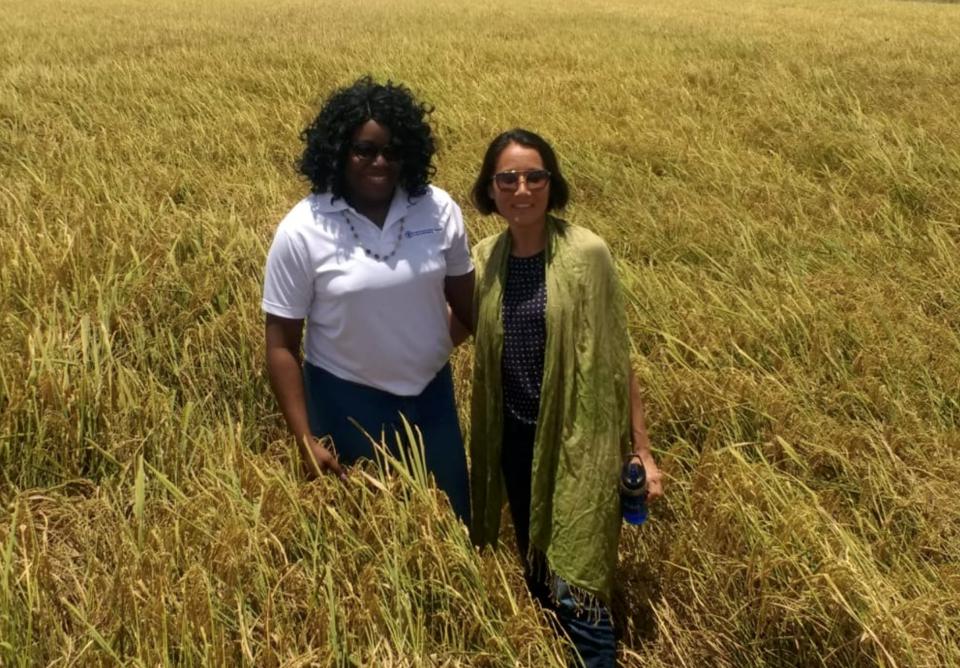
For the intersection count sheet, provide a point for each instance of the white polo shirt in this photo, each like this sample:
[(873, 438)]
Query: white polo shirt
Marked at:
[(381, 324)]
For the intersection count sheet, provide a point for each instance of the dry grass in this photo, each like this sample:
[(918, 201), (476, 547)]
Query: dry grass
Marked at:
[(780, 183)]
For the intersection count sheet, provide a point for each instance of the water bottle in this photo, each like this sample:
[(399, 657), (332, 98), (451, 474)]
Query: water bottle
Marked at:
[(633, 492)]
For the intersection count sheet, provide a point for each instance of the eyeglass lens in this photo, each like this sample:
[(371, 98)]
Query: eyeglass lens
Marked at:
[(369, 151), (535, 179)]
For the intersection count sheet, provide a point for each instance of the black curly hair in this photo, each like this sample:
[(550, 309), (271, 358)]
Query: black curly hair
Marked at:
[(391, 105)]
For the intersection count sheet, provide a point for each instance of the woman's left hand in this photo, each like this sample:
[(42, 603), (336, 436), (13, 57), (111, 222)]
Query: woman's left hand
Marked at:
[(654, 477)]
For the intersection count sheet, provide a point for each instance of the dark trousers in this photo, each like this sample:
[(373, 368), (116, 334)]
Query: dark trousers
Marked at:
[(332, 402), (589, 627)]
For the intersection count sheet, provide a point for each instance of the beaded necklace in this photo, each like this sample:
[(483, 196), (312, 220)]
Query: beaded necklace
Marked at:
[(376, 256)]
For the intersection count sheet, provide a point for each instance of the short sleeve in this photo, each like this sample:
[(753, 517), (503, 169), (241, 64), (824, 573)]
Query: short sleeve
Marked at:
[(288, 283), (458, 248)]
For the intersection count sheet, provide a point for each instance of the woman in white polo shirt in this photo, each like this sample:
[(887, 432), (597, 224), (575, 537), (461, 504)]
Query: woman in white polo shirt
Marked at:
[(369, 260)]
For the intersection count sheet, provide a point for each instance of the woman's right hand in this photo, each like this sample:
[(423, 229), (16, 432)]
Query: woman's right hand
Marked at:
[(286, 379), (318, 458)]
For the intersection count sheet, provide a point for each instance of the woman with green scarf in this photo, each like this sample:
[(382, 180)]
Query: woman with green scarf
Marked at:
[(556, 410)]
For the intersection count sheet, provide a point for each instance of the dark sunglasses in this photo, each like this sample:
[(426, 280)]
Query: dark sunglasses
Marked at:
[(366, 150), (536, 179)]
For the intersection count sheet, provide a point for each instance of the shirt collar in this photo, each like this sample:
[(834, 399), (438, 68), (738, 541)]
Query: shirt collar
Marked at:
[(325, 203)]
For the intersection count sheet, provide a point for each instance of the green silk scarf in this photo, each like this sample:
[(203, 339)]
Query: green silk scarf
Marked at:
[(583, 428)]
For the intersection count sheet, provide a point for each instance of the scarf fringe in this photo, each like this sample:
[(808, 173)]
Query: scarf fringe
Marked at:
[(587, 605)]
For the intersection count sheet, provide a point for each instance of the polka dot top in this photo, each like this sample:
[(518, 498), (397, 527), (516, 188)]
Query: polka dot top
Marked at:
[(524, 335)]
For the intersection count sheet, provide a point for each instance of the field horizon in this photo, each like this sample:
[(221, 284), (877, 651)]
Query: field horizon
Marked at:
[(778, 181)]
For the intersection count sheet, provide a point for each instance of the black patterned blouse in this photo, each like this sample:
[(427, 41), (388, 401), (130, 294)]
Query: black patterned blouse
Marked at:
[(524, 336)]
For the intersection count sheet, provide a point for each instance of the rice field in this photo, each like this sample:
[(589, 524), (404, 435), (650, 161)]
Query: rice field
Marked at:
[(779, 182)]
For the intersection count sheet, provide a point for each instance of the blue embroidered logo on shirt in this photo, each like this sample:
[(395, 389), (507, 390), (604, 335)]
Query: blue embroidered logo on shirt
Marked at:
[(409, 234)]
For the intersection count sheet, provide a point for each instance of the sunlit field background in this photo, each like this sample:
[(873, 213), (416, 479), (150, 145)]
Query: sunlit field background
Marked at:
[(779, 182)]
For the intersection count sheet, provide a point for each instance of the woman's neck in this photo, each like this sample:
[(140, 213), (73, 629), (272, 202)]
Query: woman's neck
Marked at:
[(375, 211), (528, 241)]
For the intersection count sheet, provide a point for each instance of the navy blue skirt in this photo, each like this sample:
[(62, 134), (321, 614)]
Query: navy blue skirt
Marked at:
[(332, 402)]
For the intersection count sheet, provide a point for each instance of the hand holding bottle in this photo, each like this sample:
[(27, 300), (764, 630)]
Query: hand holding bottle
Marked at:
[(633, 492)]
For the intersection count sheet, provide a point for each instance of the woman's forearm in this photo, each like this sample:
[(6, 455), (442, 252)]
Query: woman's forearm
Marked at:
[(638, 426), (458, 332), (286, 380), (641, 442), (459, 294)]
